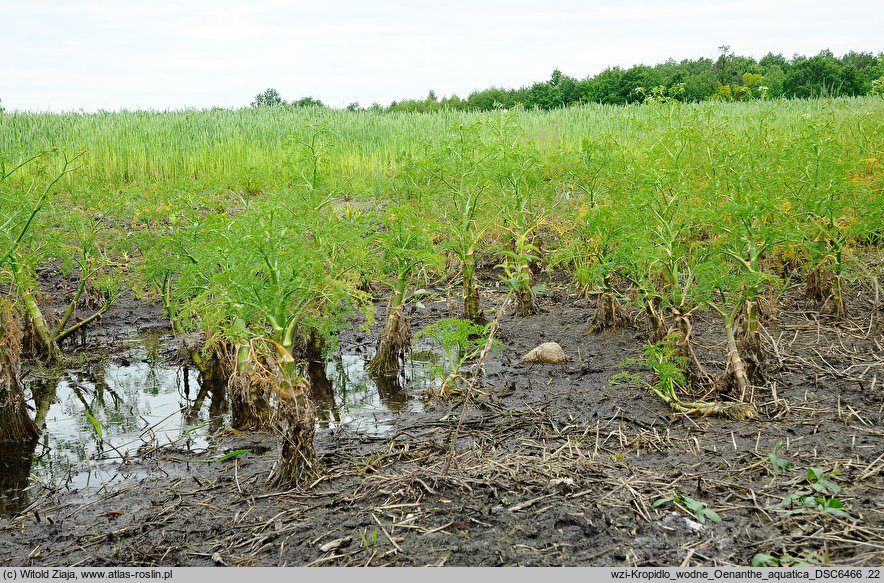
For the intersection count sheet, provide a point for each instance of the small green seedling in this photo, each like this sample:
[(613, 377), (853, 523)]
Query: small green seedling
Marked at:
[(818, 493), (368, 542), (806, 559), (227, 456), (697, 508), (818, 479), (96, 424), (778, 465)]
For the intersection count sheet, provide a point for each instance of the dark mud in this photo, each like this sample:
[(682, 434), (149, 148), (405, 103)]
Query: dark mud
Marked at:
[(542, 465)]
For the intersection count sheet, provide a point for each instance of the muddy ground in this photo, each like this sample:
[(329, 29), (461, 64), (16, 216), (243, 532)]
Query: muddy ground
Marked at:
[(542, 465)]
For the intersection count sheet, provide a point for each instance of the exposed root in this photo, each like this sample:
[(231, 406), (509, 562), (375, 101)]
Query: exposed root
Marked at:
[(251, 388), (15, 423), (609, 314), (735, 411), (249, 401), (750, 348), (754, 362), (695, 372), (525, 304), (826, 289), (818, 284), (393, 345), (270, 390), (294, 421), (735, 377)]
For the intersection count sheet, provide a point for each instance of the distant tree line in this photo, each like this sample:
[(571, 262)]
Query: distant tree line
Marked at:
[(272, 98), (730, 77)]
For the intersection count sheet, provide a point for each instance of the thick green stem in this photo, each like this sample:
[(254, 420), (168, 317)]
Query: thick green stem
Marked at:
[(472, 309), (83, 323), (34, 314), (49, 339), (41, 327), (520, 274), (71, 307)]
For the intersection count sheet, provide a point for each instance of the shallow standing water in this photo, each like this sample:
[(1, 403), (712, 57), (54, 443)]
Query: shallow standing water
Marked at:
[(99, 415)]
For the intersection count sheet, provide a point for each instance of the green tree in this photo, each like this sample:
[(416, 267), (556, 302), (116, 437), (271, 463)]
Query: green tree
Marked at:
[(306, 102), (731, 67), (268, 98), (821, 75), (640, 76), (453, 102), (485, 100), (868, 67), (544, 96), (605, 87)]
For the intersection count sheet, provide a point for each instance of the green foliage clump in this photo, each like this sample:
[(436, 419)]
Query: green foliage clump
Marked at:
[(460, 341)]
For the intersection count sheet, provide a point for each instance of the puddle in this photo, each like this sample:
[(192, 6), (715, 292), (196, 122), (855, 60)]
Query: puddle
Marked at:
[(349, 397), (98, 416)]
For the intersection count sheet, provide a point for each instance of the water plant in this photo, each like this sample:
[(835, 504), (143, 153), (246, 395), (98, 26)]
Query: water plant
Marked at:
[(461, 341), (668, 366), (515, 173), (263, 231), (404, 245), (459, 169), (95, 289)]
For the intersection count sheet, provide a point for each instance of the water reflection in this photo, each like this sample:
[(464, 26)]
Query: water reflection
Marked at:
[(322, 394), (15, 470), (365, 403), (391, 392), (215, 390), (96, 417)]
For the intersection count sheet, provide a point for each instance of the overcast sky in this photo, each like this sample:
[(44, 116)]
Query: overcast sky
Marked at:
[(64, 55)]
